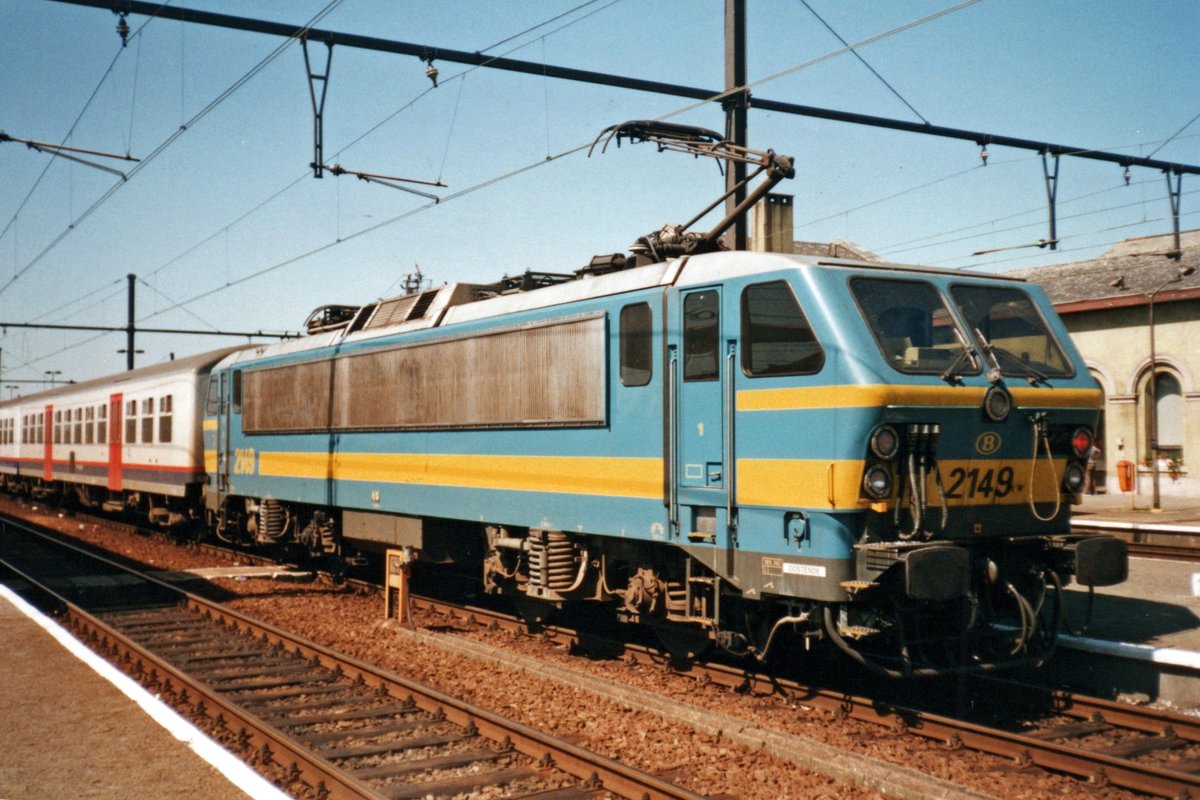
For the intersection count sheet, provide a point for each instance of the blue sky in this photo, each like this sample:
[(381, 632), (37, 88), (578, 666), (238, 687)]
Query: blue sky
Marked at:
[(227, 229)]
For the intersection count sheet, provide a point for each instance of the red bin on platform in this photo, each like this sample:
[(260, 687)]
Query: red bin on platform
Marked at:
[(1125, 475)]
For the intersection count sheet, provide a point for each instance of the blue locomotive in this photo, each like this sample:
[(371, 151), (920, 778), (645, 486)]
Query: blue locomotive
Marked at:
[(734, 447), (735, 443)]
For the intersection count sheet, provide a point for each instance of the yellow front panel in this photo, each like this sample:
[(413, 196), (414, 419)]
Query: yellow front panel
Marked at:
[(797, 483), (873, 396)]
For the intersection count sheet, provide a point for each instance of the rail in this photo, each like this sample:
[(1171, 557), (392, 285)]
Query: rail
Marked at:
[(262, 668)]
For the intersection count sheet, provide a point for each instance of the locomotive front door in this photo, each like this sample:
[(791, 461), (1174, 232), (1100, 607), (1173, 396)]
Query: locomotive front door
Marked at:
[(700, 474)]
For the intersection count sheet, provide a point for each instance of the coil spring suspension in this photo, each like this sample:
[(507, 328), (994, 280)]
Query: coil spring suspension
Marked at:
[(272, 518), (553, 560)]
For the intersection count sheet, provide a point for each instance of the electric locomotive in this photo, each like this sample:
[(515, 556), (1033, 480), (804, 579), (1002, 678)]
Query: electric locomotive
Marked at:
[(735, 448), (738, 444)]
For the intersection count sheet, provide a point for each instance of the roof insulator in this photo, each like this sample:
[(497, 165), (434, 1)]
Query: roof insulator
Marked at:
[(123, 31)]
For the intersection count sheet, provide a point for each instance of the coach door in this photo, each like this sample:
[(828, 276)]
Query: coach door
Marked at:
[(700, 356), (116, 433)]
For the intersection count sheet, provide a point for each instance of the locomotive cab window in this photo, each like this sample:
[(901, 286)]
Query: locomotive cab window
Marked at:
[(776, 336), (911, 324), (237, 391), (635, 345), (701, 336), (1015, 331)]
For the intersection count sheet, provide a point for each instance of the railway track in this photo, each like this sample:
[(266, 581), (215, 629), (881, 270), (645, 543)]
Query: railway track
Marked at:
[(1105, 743), (331, 726), (1147, 540)]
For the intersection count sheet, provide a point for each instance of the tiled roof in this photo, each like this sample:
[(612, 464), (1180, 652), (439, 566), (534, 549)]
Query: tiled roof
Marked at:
[(1142, 264), (838, 248)]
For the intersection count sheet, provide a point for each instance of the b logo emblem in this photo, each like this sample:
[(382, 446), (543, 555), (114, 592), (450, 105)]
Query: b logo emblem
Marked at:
[(987, 443)]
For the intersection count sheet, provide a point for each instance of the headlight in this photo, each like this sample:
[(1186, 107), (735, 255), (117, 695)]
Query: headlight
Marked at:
[(877, 481), (1073, 479), (997, 403), (885, 442)]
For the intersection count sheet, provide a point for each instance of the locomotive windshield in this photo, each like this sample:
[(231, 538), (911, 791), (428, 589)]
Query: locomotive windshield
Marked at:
[(911, 324), (1014, 331)]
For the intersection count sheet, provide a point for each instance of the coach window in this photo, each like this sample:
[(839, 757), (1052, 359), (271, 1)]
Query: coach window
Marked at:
[(148, 420), (78, 438), (776, 336), (58, 427), (89, 425), (41, 428), (701, 335), (237, 391), (131, 422), (102, 424), (636, 345), (164, 419)]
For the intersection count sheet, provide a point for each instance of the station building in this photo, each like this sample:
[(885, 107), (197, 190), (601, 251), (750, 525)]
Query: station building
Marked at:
[(1134, 306)]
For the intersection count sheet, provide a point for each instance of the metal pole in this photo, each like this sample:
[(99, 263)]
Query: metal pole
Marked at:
[(129, 328), (735, 111), (1155, 500)]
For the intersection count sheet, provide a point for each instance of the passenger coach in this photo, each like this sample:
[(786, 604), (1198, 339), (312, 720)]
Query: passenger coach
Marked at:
[(127, 442)]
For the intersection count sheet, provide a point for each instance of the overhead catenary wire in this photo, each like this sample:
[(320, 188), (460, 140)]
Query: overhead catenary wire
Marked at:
[(457, 194), (339, 239), (162, 146), (1035, 224), (863, 61), (1171, 138), (895, 247), (541, 24), (521, 170), (957, 261), (300, 178)]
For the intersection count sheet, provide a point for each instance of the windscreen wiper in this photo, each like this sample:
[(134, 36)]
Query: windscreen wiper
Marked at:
[(993, 353), (967, 351)]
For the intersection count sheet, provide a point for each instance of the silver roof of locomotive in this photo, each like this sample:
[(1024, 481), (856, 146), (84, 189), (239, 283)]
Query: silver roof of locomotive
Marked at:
[(455, 303)]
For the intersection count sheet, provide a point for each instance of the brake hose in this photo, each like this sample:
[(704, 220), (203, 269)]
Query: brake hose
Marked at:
[(1039, 432)]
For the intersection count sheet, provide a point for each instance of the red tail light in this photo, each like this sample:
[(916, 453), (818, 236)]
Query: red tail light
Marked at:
[(1082, 442)]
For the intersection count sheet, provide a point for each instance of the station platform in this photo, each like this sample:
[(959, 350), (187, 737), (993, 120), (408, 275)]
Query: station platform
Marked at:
[(71, 725), (1134, 509), (1145, 632)]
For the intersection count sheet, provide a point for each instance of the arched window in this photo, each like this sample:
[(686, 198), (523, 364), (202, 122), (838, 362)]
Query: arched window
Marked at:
[(1170, 411), (1168, 399)]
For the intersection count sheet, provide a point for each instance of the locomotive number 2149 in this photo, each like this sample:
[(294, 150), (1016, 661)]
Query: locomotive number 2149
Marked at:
[(975, 482)]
